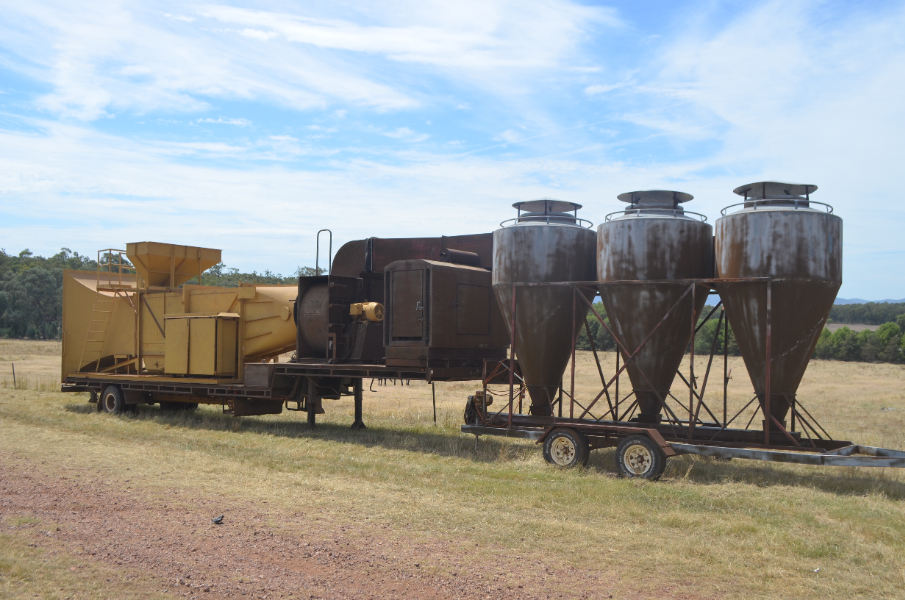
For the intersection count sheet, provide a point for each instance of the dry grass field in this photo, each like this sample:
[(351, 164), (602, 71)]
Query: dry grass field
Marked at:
[(433, 506)]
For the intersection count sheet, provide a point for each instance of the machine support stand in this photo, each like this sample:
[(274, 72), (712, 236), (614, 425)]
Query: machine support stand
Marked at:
[(434, 398), (358, 423), (311, 403)]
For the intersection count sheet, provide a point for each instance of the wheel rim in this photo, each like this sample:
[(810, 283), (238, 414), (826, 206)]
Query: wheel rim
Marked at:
[(563, 451), (109, 403), (638, 459)]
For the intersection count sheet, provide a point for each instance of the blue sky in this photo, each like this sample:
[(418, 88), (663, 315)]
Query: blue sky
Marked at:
[(248, 127)]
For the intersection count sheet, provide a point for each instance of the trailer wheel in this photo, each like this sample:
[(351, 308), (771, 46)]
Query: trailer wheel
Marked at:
[(566, 448), (638, 456), (113, 401)]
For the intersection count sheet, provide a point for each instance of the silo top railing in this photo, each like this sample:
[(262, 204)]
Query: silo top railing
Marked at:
[(780, 202), (550, 220), (638, 212)]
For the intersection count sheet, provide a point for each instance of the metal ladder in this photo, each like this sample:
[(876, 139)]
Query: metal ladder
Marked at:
[(100, 320)]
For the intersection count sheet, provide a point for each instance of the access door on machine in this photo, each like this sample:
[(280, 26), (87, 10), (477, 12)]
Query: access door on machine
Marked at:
[(473, 309), (407, 316)]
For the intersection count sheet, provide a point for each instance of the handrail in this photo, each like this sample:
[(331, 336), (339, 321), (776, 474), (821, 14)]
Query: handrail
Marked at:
[(112, 258), (779, 202), (556, 221), (317, 255), (638, 212)]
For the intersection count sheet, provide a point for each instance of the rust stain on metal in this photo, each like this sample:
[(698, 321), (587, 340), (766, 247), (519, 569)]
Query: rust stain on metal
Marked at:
[(654, 239), (545, 244), (784, 237)]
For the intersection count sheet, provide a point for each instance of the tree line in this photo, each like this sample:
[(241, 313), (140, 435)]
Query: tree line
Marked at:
[(31, 306), (886, 344), (870, 313)]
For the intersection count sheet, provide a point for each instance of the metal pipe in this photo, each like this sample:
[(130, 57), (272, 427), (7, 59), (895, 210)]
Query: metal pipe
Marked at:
[(725, 364), (512, 356), (691, 366), (317, 270), (574, 339), (311, 404), (768, 342), (358, 422)]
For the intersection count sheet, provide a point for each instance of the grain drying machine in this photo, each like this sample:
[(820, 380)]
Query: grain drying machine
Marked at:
[(504, 310), (135, 332)]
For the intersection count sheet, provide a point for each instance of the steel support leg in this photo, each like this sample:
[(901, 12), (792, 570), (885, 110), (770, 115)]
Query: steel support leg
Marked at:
[(311, 403), (357, 388)]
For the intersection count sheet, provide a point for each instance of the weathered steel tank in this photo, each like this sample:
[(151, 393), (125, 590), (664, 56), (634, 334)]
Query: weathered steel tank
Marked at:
[(546, 242), (782, 234), (653, 239)]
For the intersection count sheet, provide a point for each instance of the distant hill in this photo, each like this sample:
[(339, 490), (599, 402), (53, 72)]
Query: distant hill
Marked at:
[(862, 301)]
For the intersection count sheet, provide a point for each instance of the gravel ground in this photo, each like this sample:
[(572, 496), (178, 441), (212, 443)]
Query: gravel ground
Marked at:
[(257, 552)]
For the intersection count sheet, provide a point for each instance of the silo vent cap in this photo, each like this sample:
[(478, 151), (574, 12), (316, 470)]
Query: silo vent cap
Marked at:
[(777, 195), (549, 211), (655, 198), (546, 206), (766, 190)]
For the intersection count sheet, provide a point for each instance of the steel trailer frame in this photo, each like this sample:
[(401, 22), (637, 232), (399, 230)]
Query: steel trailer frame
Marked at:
[(809, 443)]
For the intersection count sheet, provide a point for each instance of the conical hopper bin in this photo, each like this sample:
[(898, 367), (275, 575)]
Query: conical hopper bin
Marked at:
[(781, 234), (546, 243), (654, 239), (169, 265)]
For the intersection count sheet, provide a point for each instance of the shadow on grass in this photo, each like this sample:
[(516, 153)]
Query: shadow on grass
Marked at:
[(413, 439), (847, 481)]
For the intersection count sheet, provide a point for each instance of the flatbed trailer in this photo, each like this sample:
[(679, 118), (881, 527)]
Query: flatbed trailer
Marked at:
[(268, 387), (572, 429)]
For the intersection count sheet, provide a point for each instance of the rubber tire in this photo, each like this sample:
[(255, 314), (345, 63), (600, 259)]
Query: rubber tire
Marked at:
[(658, 459), (581, 450), (112, 400)]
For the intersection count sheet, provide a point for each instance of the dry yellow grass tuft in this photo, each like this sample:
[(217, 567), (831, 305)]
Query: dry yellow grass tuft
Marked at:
[(36, 364), (735, 529)]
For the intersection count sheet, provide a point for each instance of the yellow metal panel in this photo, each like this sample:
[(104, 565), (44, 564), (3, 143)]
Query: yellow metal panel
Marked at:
[(174, 304), (170, 264), (177, 346), (111, 321), (202, 346), (266, 332), (226, 346)]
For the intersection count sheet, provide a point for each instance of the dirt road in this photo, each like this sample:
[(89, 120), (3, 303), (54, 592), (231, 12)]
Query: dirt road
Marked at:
[(256, 552)]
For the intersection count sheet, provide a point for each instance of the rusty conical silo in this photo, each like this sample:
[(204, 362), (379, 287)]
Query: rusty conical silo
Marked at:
[(653, 239), (545, 243), (781, 234)]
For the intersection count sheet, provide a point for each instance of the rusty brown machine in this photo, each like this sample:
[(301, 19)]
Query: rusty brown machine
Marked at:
[(136, 332), (776, 265)]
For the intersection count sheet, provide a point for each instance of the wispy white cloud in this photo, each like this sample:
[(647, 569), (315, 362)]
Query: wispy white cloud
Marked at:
[(405, 134), (593, 90), (816, 95), (183, 18), (258, 34), (472, 35), (220, 120), (99, 59)]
